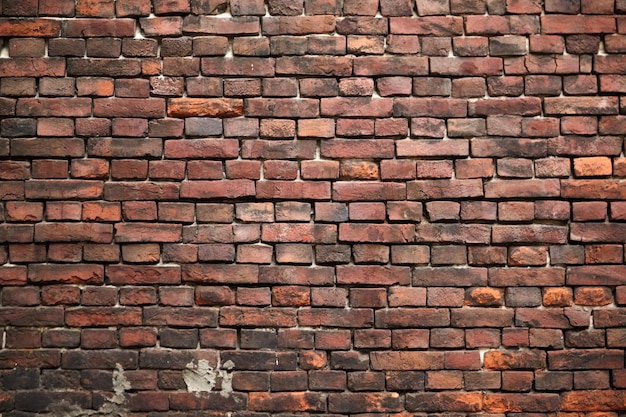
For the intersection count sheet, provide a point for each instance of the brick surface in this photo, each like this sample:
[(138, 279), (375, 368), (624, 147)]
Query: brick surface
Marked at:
[(346, 207)]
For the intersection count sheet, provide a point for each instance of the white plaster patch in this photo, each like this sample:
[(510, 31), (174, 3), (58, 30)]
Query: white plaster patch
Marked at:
[(201, 377)]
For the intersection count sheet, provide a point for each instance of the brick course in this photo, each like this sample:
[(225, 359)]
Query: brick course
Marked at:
[(375, 207)]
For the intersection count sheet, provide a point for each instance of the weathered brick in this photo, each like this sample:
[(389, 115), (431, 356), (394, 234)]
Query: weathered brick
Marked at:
[(403, 361), (431, 107), (463, 150), (465, 66), (356, 317), (554, 24)]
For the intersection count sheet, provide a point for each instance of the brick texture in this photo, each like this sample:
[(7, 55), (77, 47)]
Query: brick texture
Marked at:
[(245, 208)]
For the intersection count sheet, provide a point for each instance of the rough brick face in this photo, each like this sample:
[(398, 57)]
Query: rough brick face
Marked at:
[(312, 207)]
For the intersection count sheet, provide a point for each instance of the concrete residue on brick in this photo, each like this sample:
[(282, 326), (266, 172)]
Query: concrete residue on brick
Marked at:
[(227, 378), (113, 407), (201, 377), (120, 385)]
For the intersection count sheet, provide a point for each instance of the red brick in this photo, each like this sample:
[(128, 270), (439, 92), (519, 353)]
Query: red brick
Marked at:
[(436, 189), (320, 169), (389, 66), (505, 86), (30, 28), (436, 46), (278, 149), (132, 275), (254, 254), (612, 83), (53, 8), (528, 106), (452, 233), (23, 211), (290, 296), (18, 127), (486, 256), (505, 360), (220, 273), (474, 168), (53, 107), (516, 211), (573, 145), (73, 232), (110, 107), (69, 274), (433, 26), (360, 7), (238, 66), (611, 124), (527, 256), (56, 147), (311, 128), (593, 296), (366, 148), (434, 169), (63, 210), (13, 275), (483, 296), (12, 190), (427, 127), (176, 316), (529, 234), (468, 87), (324, 45), (470, 46), (95, 86), (87, 27), (515, 337), (33, 47), (515, 402), (372, 275), (331, 212), (358, 170), (60, 294), (413, 360), (589, 210), (16, 170), (147, 232), (597, 189), (93, 127), (328, 297), (410, 339), (546, 44), (547, 127), (554, 24), (293, 402), (502, 25), (522, 188), (593, 400), (208, 189), (432, 86), (589, 105), (466, 66), (271, 317), (432, 107), (288, 190), (481, 317), (585, 359), (391, 86)]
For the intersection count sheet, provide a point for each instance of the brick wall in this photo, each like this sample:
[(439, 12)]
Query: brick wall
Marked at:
[(242, 208)]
